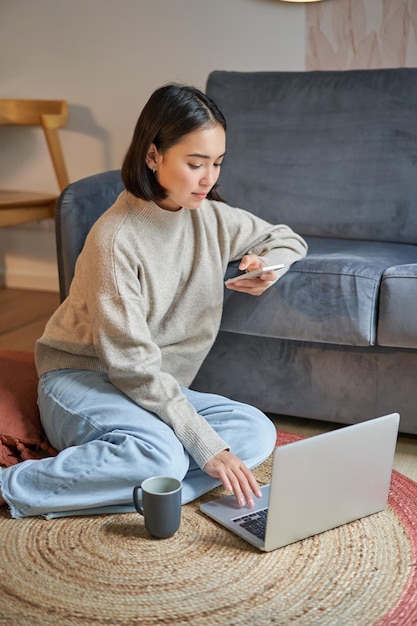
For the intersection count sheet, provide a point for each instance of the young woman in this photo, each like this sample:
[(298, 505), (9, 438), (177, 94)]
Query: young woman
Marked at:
[(117, 357)]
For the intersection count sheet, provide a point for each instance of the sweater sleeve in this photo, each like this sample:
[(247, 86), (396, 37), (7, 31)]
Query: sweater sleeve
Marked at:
[(245, 233), (133, 362)]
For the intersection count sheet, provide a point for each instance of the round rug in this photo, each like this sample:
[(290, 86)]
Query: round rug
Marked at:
[(107, 570)]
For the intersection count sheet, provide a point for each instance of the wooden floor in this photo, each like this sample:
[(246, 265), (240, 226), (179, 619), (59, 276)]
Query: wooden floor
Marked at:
[(23, 315)]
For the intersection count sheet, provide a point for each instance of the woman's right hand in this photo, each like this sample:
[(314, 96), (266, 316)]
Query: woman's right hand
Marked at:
[(235, 476)]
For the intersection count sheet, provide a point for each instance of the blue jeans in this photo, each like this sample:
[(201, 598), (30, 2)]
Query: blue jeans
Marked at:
[(108, 444)]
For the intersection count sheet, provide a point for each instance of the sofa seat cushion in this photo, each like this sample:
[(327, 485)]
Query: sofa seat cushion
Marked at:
[(331, 296), (398, 317)]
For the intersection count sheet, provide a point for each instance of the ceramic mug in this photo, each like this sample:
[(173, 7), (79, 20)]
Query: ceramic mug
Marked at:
[(158, 499)]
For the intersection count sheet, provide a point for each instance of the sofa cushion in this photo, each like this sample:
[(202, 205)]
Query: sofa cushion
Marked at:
[(331, 153), (398, 317), (331, 296)]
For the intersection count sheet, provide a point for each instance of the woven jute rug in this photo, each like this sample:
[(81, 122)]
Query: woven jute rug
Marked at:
[(107, 570)]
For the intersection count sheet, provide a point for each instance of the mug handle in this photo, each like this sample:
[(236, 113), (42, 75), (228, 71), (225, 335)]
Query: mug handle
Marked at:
[(137, 501)]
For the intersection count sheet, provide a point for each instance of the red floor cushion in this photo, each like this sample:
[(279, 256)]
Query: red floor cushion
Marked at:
[(21, 433)]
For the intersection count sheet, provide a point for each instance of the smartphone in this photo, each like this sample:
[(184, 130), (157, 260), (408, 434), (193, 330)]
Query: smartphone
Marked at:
[(255, 273)]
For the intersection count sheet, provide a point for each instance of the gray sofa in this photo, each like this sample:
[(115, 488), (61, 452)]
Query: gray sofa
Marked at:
[(334, 156)]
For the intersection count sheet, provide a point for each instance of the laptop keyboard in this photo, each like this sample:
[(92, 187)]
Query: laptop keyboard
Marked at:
[(254, 522)]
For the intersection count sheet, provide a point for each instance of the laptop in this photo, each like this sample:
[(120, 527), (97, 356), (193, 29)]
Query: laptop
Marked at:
[(317, 484)]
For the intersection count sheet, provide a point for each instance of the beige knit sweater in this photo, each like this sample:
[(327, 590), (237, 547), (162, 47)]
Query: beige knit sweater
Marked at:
[(146, 301)]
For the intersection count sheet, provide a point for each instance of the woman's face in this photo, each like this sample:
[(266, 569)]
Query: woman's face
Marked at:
[(190, 168)]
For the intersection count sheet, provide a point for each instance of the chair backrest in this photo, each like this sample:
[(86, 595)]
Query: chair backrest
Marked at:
[(78, 207), (49, 115)]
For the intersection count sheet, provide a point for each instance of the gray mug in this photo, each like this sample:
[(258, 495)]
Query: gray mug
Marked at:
[(160, 504)]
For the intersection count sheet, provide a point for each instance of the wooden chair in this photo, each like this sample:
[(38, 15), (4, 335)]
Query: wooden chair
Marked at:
[(18, 207)]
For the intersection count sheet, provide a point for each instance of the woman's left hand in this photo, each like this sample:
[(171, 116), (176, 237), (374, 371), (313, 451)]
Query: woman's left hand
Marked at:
[(253, 286)]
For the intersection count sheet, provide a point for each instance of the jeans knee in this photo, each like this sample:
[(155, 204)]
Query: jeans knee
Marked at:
[(172, 461), (264, 433), (257, 438), (163, 457)]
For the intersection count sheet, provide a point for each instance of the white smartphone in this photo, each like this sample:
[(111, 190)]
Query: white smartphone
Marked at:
[(255, 273)]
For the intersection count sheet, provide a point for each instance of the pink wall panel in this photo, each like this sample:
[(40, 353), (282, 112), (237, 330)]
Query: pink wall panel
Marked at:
[(360, 34)]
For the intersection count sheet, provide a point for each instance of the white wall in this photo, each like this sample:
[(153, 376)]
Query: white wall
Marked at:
[(105, 57)]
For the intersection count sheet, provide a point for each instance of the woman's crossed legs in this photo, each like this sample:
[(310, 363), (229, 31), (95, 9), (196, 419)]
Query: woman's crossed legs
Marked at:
[(108, 445)]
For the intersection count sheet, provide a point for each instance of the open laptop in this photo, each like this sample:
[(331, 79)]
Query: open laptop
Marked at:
[(317, 483)]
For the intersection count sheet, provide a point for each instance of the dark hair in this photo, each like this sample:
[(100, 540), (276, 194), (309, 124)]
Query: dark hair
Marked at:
[(171, 112)]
